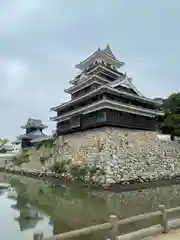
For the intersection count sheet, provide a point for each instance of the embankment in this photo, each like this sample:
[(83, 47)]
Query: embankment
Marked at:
[(107, 157)]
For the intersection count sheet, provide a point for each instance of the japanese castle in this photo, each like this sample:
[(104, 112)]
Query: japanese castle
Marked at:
[(33, 133), (101, 95)]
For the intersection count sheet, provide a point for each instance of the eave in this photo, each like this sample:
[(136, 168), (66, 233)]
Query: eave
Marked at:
[(23, 137), (111, 105), (125, 82), (76, 100), (17, 141), (41, 139), (100, 66), (38, 127), (103, 88), (87, 82), (133, 96)]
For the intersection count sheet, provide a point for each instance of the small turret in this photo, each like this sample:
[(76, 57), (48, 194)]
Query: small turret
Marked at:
[(34, 129)]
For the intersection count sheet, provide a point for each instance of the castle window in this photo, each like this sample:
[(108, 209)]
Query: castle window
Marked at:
[(75, 122)]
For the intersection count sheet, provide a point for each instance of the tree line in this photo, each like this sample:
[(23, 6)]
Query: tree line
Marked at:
[(170, 122)]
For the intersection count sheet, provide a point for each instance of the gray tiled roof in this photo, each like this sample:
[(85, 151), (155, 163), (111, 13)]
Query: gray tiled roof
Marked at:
[(108, 51), (32, 135), (17, 141), (34, 123)]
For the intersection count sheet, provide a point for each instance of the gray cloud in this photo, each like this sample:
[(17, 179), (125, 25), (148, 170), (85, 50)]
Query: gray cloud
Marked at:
[(42, 40)]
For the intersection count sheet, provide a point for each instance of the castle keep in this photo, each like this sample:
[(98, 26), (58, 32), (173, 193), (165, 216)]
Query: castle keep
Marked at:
[(101, 95)]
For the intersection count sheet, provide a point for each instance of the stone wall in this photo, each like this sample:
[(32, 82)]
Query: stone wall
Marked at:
[(34, 156), (125, 154)]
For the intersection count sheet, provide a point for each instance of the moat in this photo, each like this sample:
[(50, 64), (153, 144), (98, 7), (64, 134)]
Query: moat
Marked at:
[(64, 208)]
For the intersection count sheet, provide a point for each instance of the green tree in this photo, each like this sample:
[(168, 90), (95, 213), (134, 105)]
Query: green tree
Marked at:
[(171, 121), (3, 141)]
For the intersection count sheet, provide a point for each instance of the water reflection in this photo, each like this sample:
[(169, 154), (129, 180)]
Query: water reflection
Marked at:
[(28, 216), (20, 219), (66, 208), (2, 191), (26, 221)]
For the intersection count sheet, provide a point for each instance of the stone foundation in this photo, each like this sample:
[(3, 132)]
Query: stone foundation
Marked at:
[(124, 155), (34, 158)]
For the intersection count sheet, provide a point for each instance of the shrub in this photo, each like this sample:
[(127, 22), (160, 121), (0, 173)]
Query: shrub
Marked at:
[(83, 172), (43, 159), (59, 167), (22, 158), (94, 171), (38, 145), (50, 143), (79, 172)]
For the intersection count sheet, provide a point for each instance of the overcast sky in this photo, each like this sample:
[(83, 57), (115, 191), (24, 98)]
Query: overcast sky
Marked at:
[(42, 40)]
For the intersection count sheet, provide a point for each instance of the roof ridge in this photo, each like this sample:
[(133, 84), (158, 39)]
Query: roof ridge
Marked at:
[(107, 50)]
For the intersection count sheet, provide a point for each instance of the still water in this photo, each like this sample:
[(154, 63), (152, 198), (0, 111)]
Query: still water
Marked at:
[(63, 208)]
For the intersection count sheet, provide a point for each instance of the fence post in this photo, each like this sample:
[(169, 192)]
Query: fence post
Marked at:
[(38, 236), (164, 220), (114, 227)]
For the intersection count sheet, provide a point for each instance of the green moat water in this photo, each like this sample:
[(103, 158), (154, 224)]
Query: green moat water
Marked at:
[(64, 208)]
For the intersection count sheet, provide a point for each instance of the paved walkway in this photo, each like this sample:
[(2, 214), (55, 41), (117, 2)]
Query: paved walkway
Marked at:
[(172, 235)]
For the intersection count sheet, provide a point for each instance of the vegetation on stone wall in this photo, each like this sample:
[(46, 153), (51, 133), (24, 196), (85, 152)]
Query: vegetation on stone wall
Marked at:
[(43, 159), (76, 171), (50, 143), (38, 145), (23, 157), (45, 149), (59, 167)]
